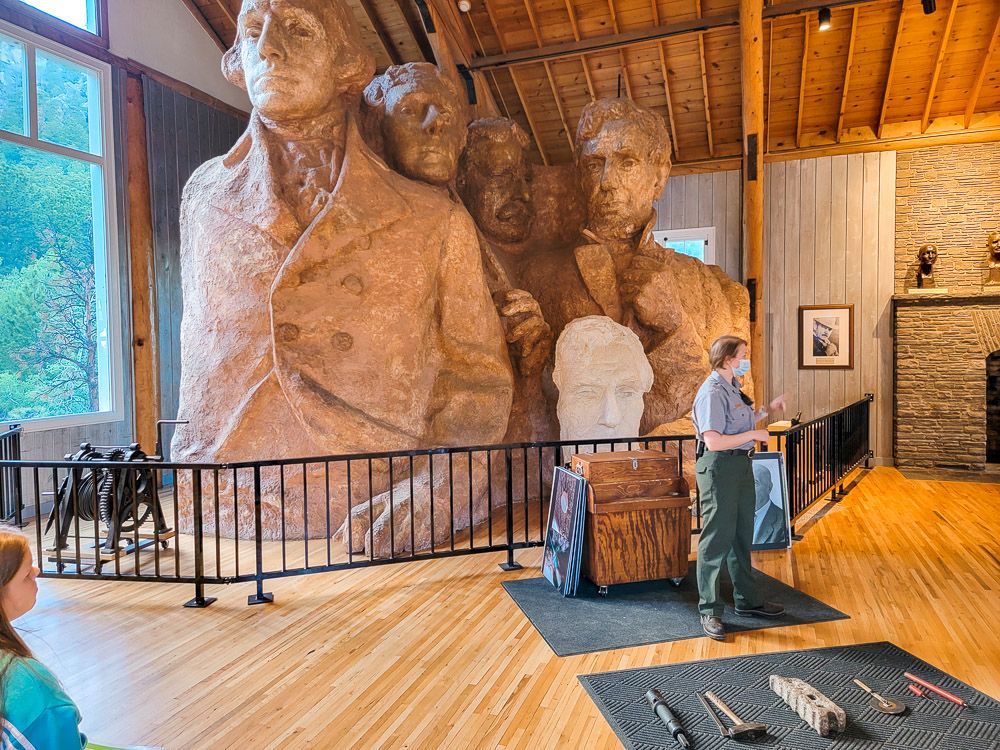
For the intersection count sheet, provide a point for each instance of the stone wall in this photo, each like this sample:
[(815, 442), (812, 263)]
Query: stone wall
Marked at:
[(950, 197), (941, 346)]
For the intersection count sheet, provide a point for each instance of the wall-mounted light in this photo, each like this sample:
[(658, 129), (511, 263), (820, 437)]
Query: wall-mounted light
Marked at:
[(825, 19), (929, 6), (464, 5)]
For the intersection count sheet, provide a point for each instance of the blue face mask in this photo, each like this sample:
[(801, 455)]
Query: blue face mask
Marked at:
[(742, 368)]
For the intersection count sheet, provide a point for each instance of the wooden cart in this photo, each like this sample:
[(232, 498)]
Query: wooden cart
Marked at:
[(638, 517)]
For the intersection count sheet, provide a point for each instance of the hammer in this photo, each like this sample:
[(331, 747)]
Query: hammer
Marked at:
[(741, 730)]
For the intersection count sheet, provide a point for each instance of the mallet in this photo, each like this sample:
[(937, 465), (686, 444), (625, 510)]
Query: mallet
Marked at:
[(741, 730)]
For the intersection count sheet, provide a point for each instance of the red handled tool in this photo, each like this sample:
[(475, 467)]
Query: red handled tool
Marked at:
[(935, 689)]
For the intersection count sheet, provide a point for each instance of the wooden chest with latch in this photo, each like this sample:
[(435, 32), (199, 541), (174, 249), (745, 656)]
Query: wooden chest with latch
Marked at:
[(638, 517)]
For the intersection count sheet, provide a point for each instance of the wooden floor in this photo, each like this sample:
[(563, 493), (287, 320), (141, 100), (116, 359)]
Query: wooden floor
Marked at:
[(435, 654)]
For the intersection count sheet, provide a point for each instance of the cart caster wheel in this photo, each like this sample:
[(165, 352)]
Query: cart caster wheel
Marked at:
[(602, 591), (164, 544), (675, 582)]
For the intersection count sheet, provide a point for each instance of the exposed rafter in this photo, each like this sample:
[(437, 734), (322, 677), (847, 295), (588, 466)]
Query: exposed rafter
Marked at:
[(670, 104), (892, 69), (375, 20), (631, 38), (621, 51), (802, 81), (548, 73), (970, 108), (583, 58), (203, 22), (517, 86), (416, 26), (767, 88), (847, 74), (704, 84), (937, 67), (226, 11)]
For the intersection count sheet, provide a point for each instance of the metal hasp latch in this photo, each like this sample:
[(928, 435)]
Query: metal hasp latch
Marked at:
[(635, 464)]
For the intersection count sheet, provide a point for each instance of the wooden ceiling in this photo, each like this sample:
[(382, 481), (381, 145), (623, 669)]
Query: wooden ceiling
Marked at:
[(884, 71)]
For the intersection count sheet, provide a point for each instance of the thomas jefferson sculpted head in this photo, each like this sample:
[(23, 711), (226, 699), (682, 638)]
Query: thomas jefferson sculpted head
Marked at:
[(297, 58), (623, 159), (415, 117)]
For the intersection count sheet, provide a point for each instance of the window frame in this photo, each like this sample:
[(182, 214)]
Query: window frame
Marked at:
[(663, 237), (106, 161), (37, 21)]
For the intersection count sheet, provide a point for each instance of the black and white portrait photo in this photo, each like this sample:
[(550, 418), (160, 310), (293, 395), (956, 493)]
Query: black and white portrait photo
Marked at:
[(826, 336), (771, 522)]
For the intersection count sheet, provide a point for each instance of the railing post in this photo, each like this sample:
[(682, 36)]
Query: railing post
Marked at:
[(511, 564), (200, 600), (258, 543)]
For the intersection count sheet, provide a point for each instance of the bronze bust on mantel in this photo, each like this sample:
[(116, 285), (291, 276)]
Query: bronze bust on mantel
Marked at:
[(993, 260)]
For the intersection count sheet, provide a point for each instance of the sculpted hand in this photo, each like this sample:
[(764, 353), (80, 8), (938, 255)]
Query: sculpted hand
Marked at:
[(529, 336), (649, 260)]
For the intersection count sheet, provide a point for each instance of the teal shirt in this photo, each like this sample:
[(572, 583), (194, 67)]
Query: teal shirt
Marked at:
[(719, 407), (37, 713)]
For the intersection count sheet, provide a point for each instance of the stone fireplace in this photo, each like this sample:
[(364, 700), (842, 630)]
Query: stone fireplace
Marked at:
[(946, 360)]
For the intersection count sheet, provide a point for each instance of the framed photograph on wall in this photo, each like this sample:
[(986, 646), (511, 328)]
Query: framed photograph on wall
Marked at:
[(772, 523), (826, 337)]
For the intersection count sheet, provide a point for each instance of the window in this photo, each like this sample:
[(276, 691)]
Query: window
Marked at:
[(79, 13), (698, 243), (58, 253)]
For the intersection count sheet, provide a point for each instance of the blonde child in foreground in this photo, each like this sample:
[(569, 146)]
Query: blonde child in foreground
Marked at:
[(35, 712)]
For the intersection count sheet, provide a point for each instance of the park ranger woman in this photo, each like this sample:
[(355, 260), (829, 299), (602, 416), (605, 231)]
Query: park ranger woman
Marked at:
[(725, 421)]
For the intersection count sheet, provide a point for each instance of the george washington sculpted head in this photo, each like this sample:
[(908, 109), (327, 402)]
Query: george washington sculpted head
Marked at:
[(297, 58)]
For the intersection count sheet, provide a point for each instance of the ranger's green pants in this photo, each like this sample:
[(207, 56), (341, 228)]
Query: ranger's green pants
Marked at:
[(726, 486)]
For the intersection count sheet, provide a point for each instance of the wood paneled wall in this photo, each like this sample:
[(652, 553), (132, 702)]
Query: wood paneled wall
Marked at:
[(181, 134), (708, 200), (829, 235)]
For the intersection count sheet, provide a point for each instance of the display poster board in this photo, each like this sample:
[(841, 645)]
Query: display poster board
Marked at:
[(771, 520), (564, 532)]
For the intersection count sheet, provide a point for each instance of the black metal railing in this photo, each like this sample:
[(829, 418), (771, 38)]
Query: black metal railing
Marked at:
[(255, 521), (821, 453), (11, 504)]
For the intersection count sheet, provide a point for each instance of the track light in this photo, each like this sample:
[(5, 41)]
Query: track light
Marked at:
[(825, 19), (929, 6)]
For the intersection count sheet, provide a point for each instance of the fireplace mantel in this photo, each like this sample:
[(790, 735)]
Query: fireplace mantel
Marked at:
[(971, 297)]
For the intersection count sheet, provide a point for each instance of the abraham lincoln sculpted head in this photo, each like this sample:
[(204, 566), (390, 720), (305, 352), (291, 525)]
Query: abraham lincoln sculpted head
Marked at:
[(623, 159), (297, 59)]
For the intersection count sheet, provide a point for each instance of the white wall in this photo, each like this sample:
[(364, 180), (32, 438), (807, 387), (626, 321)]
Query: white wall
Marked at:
[(165, 36)]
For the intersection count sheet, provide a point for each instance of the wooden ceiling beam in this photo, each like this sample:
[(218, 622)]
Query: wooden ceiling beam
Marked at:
[(704, 83), (970, 108), (548, 73), (767, 89), (937, 67), (847, 75), (892, 69), (621, 52), (517, 86), (646, 35), (417, 30), (371, 12), (574, 24), (670, 105), (802, 81), (203, 22), (227, 11)]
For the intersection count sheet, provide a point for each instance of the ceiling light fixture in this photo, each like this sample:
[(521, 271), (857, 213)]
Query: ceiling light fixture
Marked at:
[(825, 21), (929, 6), (464, 5)]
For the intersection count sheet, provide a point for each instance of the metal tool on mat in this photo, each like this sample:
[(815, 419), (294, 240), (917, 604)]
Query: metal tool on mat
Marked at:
[(741, 730), (884, 705), (935, 689), (659, 705), (723, 729)]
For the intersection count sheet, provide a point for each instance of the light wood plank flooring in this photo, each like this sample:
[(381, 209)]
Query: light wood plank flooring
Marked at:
[(436, 655)]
